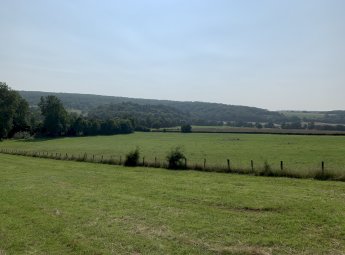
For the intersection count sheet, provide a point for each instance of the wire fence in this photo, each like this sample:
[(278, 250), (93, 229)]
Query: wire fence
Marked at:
[(260, 170)]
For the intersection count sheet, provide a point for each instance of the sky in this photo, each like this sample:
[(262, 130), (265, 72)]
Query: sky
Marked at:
[(272, 54)]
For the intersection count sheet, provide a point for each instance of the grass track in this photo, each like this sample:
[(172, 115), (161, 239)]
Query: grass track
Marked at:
[(59, 207)]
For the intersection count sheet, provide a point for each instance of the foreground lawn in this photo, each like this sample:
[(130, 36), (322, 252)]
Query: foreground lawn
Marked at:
[(299, 152), (61, 207)]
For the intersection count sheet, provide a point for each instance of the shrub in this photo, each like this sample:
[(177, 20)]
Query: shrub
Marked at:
[(176, 158), (142, 129), (186, 128), (22, 135), (267, 170), (132, 158)]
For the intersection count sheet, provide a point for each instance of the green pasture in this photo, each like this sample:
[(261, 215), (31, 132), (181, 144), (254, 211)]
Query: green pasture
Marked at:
[(299, 152), (301, 114), (63, 207)]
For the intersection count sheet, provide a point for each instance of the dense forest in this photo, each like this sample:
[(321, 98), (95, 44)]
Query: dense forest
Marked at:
[(145, 116), (50, 118)]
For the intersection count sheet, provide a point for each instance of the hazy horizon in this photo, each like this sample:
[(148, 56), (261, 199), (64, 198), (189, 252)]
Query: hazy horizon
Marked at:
[(286, 55)]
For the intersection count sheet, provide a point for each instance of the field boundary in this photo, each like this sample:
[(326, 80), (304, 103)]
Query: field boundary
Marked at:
[(265, 170), (263, 132)]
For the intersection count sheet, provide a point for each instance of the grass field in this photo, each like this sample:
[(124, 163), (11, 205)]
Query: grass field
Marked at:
[(62, 207), (301, 114), (299, 153), (253, 130)]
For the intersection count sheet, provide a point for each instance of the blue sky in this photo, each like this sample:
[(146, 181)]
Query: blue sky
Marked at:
[(286, 54)]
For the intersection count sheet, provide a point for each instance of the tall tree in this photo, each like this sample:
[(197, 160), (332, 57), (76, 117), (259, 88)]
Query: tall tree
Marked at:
[(14, 111), (21, 117), (55, 116)]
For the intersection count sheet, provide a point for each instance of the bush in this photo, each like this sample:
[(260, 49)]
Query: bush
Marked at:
[(142, 129), (176, 158), (186, 128), (22, 135), (132, 158), (267, 169)]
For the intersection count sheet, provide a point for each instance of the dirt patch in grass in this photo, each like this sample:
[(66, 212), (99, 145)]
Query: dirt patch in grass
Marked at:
[(249, 209), (257, 209), (243, 250)]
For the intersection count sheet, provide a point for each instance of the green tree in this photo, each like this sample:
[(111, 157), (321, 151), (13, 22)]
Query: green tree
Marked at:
[(55, 116), (258, 125), (14, 111), (186, 128), (21, 117)]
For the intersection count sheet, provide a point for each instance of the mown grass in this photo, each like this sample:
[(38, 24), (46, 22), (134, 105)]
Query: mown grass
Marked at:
[(301, 154), (63, 207)]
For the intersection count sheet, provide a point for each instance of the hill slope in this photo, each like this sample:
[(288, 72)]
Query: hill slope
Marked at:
[(199, 112)]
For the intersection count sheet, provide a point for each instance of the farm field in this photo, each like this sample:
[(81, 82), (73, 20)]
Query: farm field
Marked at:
[(252, 130), (304, 114), (62, 207), (299, 153)]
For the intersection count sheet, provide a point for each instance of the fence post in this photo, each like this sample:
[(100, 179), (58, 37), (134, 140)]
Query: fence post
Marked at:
[(252, 165), (102, 159), (155, 161), (228, 160), (323, 167), (143, 161), (281, 165), (185, 163), (204, 163)]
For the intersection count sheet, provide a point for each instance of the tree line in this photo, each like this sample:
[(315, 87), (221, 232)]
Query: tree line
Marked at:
[(50, 118), (143, 116)]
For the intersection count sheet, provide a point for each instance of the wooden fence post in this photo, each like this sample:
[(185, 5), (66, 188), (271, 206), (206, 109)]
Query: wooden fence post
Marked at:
[(252, 165), (228, 160), (323, 167), (204, 163), (281, 165), (143, 161), (155, 161)]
